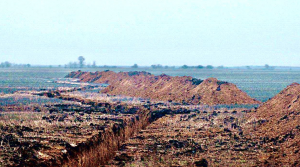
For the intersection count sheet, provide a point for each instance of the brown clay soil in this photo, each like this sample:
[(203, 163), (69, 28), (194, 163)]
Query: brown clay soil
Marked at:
[(67, 134), (189, 139), (277, 122), (167, 88), (93, 131), (208, 138)]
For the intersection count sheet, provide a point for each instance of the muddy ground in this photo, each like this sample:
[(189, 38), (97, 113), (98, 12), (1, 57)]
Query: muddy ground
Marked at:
[(93, 131)]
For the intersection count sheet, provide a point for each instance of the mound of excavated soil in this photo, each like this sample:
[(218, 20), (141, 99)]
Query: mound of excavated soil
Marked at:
[(282, 113), (167, 88), (277, 122)]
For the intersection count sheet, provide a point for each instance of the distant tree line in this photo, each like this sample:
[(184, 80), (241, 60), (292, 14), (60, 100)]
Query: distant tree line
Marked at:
[(80, 64), (155, 66), (7, 64), (158, 66), (201, 67), (267, 67)]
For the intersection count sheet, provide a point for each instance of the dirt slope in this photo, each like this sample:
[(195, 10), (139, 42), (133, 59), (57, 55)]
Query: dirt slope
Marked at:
[(277, 123), (281, 113), (167, 88)]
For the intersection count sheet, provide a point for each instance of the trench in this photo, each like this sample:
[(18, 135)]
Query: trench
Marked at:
[(99, 149)]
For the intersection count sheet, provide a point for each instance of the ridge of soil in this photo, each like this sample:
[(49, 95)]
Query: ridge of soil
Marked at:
[(185, 89)]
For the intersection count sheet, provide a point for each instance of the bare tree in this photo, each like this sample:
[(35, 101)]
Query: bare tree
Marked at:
[(81, 61)]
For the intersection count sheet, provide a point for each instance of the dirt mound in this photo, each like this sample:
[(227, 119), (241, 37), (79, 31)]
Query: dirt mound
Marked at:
[(277, 122), (183, 89), (281, 113)]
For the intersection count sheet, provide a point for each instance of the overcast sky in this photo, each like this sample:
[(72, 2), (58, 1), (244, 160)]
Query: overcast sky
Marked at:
[(167, 32)]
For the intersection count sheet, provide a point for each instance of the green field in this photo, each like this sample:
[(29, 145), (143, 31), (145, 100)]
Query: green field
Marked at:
[(259, 84)]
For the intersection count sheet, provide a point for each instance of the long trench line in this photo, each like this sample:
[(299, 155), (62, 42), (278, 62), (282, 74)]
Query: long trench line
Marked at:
[(102, 147)]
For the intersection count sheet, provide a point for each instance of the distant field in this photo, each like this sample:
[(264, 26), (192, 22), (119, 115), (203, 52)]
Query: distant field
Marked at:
[(259, 84)]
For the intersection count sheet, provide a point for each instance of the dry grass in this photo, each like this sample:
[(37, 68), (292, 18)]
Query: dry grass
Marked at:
[(152, 147)]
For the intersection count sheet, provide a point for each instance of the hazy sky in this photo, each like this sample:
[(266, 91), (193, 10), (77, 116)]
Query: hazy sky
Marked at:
[(168, 32)]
